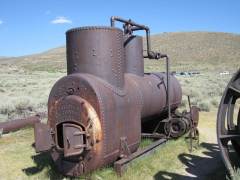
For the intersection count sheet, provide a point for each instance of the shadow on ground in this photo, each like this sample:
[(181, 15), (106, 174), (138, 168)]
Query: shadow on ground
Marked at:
[(208, 167), (43, 161), (198, 167)]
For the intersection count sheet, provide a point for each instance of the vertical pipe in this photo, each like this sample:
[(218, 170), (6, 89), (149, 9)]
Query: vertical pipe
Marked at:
[(168, 83), (168, 88), (148, 42)]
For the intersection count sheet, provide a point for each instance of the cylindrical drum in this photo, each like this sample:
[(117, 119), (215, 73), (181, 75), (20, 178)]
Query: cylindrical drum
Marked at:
[(98, 51), (152, 90), (134, 55)]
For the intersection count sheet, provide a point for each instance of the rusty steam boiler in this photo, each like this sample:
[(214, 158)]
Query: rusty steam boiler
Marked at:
[(98, 112), (228, 124)]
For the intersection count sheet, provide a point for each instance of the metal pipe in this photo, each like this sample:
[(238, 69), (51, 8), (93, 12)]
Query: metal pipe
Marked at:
[(14, 125), (115, 18), (148, 41), (168, 83), (136, 27), (150, 53)]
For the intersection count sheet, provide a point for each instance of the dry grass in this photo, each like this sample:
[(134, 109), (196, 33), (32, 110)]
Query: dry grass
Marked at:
[(23, 92), (16, 157), (205, 89)]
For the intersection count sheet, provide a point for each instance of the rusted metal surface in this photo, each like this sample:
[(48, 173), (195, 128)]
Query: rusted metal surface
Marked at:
[(154, 136), (43, 137), (98, 51), (130, 26), (154, 93), (14, 125), (121, 165), (95, 113), (228, 123), (195, 115), (134, 55)]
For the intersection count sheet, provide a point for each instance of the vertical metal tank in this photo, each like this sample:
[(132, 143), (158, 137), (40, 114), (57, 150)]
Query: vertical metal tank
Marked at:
[(97, 51), (134, 55)]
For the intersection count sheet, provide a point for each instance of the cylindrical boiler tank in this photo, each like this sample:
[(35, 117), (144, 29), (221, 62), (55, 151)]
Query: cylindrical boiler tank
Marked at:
[(95, 112)]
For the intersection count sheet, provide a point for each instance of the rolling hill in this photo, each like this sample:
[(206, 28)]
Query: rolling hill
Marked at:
[(204, 51)]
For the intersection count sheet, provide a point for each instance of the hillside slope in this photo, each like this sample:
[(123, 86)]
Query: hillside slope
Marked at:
[(203, 49), (188, 50)]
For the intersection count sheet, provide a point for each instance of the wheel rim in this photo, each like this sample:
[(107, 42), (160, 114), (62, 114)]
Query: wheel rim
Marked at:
[(228, 130)]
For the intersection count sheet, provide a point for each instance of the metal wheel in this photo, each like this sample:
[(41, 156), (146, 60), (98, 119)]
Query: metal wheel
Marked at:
[(228, 122)]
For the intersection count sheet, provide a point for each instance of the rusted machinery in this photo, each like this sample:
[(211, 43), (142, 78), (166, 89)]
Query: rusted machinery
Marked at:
[(98, 112), (14, 125), (228, 123)]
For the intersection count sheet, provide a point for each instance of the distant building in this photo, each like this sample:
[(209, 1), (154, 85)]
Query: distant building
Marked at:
[(224, 73), (187, 73)]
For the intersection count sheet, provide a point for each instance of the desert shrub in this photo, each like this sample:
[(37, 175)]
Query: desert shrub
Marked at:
[(236, 175), (22, 105), (187, 81), (204, 106), (215, 102), (7, 108), (194, 100), (190, 92), (184, 103)]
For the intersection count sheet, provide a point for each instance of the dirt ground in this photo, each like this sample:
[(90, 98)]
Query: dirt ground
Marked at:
[(208, 164)]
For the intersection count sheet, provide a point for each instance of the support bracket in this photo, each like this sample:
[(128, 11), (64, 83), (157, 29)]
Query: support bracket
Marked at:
[(121, 165)]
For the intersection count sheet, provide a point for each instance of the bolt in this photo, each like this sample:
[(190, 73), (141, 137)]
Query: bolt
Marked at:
[(70, 91)]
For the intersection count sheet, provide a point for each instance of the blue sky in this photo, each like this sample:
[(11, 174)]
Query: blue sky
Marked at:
[(31, 26)]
